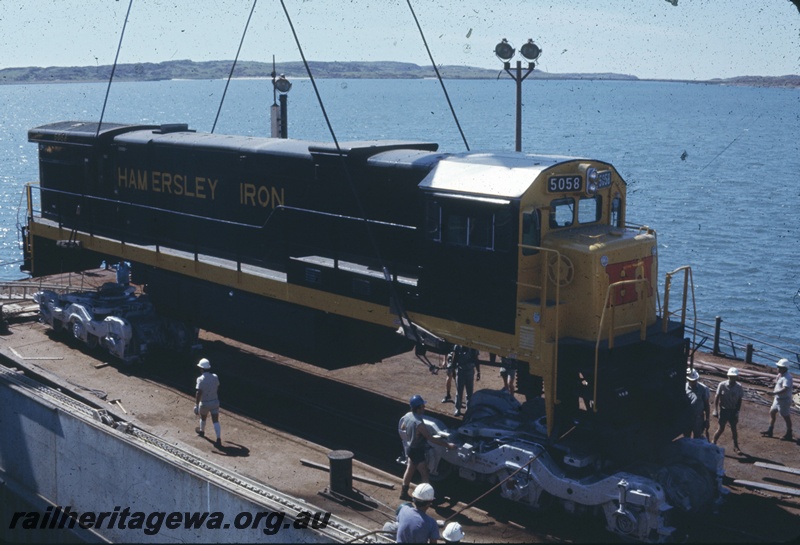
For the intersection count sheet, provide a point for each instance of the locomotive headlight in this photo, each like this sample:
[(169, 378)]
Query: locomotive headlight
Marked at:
[(591, 180)]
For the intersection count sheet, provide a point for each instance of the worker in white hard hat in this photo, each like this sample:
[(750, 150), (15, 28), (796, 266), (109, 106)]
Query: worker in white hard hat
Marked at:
[(207, 400), (782, 402), (453, 533), (727, 404), (414, 525), (699, 406)]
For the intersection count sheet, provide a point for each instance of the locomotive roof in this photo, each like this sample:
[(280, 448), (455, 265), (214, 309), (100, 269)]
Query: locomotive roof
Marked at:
[(264, 145), (500, 174), (222, 142), (80, 132)]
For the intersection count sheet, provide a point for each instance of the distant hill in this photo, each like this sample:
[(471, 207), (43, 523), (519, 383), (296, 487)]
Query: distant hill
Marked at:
[(186, 69)]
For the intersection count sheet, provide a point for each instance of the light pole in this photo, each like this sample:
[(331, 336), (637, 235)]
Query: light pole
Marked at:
[(505, 52), (278, 117)]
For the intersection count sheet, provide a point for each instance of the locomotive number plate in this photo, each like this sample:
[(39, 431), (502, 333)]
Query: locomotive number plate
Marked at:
[(603, 179), (560, 184)]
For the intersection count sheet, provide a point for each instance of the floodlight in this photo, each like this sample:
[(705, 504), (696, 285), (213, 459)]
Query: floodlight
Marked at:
[(504, 51), (530, 51), (282, 84)]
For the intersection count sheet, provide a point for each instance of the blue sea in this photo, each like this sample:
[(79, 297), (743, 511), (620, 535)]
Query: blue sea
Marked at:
[(715, 170)]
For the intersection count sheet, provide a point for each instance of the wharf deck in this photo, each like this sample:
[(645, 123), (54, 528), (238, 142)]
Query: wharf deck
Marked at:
[(278, 412)]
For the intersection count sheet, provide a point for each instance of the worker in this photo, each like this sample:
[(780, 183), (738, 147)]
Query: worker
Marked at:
[(466, 363), (727, 404), (414, 525), (207, 400), (453, 533), (782, 402), (450, 368), (508, 372), (699, 406), (418, 438)]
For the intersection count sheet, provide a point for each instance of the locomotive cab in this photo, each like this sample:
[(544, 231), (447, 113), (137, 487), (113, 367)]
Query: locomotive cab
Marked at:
[(587, 311)]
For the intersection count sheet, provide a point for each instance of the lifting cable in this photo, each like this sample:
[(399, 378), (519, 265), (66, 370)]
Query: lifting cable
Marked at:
[(400, 308), (113, 69), (233, 66), (438, 75)]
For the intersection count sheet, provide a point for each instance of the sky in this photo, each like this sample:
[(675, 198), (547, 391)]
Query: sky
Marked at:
[(654, 39)]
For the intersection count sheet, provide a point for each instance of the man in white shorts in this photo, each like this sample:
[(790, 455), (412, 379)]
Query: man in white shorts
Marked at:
[(207, 400), (782, 403)]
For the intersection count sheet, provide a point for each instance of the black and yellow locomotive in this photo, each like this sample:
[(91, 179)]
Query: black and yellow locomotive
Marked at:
[(520, 255)]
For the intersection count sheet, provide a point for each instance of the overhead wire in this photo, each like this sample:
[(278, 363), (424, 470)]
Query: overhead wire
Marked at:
[(233, 66)]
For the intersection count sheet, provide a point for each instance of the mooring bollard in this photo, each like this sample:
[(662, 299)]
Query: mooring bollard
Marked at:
[(749, 355), (341, 463)]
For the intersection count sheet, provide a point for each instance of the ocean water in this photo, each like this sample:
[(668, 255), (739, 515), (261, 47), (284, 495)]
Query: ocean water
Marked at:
[(715, 170)]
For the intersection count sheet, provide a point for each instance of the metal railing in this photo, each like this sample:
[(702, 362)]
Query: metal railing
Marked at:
[(744, 346)]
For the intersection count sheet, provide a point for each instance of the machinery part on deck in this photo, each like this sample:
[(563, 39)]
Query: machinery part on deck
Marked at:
[(498, 438), (115, 318)]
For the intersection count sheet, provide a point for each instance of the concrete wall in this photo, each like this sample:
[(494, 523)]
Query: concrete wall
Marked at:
[(52, 455)]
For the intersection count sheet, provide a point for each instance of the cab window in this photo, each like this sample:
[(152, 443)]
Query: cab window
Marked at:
[(531, 232), (561, 212), (590, 209), (616, 212), (433, 222), (459, 225)]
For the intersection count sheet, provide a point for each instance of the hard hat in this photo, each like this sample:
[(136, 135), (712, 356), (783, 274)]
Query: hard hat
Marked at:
[(423, 492), (783, 362), (691, 374), (453, 532), (204, 364), (733, 372), (416, 401)]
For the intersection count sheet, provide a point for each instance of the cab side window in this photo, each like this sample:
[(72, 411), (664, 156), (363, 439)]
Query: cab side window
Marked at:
[(531, 231), (616, 212), (475, 227)]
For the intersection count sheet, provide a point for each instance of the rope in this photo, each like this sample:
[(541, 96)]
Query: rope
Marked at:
[(233, 66), (113, 69), (438, 75)]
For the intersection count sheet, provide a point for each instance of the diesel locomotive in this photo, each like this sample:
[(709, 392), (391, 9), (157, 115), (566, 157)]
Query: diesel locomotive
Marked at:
[(521, 255)]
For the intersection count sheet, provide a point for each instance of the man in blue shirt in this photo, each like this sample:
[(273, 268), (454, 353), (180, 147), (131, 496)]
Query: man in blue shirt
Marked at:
[(413, 524)]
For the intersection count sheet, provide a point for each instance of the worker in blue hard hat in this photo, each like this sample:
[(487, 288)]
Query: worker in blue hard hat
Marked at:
[(416, 442)]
